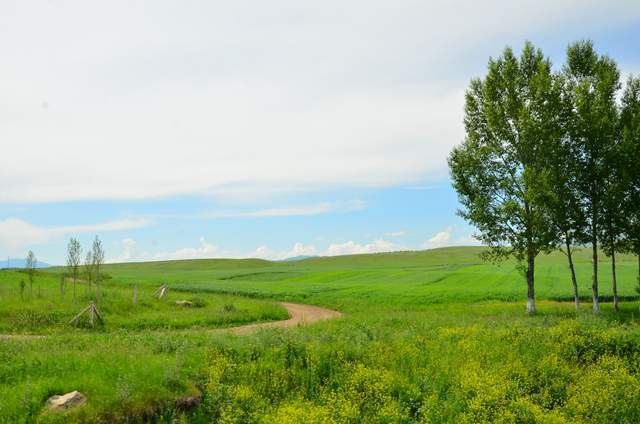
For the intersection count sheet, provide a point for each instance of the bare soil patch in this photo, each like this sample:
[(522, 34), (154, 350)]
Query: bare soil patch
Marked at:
[(299, 314)]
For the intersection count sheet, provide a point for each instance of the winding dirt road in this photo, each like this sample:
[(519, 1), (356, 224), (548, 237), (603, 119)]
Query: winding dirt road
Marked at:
[(299, 314)]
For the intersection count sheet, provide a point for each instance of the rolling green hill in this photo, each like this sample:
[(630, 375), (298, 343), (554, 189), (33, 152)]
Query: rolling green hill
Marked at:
[(453, 274)]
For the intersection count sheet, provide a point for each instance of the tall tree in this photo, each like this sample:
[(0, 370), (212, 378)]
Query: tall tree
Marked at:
[(614, 219), (592, 82), (97, 254), (630, 148), (512, 120), (74, 253), (562, 200), (30, 263)]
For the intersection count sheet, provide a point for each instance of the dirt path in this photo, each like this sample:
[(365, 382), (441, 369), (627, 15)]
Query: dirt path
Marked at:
[(299, 315)]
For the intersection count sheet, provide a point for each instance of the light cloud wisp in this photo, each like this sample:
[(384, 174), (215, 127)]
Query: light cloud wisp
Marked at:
[(16, 234)]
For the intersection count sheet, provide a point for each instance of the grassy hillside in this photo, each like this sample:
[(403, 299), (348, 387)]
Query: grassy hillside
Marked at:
[(431, 336), (455, 274)]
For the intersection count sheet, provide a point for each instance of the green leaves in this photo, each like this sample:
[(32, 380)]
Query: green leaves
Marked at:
[(549, 158), (511, 121)]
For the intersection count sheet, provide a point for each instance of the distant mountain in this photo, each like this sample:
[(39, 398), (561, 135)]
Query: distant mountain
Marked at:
[(297, 258), (20, 263)]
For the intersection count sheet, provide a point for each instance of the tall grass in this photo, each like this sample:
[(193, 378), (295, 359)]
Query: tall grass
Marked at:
[(51, 311), (454, 364)]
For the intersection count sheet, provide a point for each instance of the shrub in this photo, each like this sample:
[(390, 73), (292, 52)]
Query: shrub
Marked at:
[(606, 393)]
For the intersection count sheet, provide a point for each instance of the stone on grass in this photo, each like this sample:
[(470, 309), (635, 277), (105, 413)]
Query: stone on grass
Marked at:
[(187, 403), (66, 401)]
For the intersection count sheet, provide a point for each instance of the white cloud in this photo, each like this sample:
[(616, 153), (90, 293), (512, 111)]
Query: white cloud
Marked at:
[(442, 238), (130, 252), (244, 99), (205, 250), (351, 248), (129, 246), (446, 238), (468, 241), (306, 210), (16, 234), (396, 233), (300, 249), (262, 252)]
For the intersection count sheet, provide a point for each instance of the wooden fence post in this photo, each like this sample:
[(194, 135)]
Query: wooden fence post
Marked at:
[(93, 313), (161, 291)]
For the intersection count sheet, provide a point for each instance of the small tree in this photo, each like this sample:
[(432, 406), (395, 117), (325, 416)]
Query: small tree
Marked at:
[(62, 283), (30, 264), (74, 253), (97, 254), (88, 268), (22, 286)]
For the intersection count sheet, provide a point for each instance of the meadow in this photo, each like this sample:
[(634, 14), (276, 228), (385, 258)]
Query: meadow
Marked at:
[(429, 336)]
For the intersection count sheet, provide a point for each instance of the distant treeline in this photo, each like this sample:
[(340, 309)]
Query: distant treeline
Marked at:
[(551, 160)]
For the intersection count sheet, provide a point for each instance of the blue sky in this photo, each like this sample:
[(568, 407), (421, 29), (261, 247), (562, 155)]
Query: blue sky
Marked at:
[(195, 129)]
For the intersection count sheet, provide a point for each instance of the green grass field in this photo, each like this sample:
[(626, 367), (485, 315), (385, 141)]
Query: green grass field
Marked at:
[(407, 279), (431, 336), (42, 309)]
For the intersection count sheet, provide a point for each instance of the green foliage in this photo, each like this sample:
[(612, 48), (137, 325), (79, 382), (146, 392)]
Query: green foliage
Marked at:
[(511, 121), (606, 392), (630, 146), (506, 370)]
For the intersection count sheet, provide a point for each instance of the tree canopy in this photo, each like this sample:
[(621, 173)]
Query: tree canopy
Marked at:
[(550, 160)]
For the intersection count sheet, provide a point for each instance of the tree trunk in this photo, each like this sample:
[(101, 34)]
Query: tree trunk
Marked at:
[(531, 300), (594, 283), (613, 274), (574, 281)]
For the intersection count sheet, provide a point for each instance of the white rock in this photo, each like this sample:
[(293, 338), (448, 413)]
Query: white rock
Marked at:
[(66, 401)]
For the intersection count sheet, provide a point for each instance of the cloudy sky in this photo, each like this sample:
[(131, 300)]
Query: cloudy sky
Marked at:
[(180, 129)]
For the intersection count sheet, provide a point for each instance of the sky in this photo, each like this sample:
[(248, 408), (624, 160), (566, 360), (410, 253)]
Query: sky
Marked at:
[(198, 129)]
